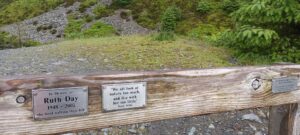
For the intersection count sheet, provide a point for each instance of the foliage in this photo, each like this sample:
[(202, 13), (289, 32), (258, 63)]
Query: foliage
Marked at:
[(163, 36), (170, 18), (73, 29), (123, 3), (168, 23), (3, 3), (85, 4), (89, 18), (230, 5), (101, 11), (25, 9), (99, 29), (203, 7), (204, 31), (8, 41), (266, 29)]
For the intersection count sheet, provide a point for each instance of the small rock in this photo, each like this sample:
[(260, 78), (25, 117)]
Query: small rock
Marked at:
[(253, 127), (240, 133), (81, 59), (251, 117), (192, 131), (133, 131), (211, 126), (261, 113), (258, 133)]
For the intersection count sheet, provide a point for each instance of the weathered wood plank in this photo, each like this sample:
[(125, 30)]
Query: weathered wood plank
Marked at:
[(171, 94)]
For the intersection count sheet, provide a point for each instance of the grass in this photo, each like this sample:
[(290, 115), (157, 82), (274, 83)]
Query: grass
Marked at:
[(19, 10), (143, 53)]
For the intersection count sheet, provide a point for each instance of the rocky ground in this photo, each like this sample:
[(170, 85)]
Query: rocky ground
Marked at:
[(39, 60), (50, 26)]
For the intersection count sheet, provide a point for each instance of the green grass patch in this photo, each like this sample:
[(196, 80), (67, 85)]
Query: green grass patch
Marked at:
[(23, 9), (143, 53)]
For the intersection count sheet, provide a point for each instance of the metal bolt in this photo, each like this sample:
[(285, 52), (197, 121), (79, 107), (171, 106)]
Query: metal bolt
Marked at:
[(21, 99), (256, 84)]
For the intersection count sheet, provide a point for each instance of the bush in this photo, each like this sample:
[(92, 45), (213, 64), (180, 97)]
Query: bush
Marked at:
[(266, 29), (204, 31), (203, 7), (8, 41), (163, 36), (73, 29), (101, 11), (123, 2), (170, 18), (26, 9), (144, 19), (168, 23), (85, 4), (99, 29), (230, 5), (89, 18)]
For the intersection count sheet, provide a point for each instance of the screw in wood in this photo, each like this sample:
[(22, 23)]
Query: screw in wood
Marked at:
[(256, 84), (21, 99)]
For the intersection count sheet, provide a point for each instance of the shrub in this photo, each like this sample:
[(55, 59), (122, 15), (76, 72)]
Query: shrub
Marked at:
[(230, 5), (8, 41), (99, 29), (101, 11), (144, 19), (266, 29), (89, 18), (26, 9), (73, 29), (203, 31), (85, 4), (168, 23), (125, 15), (123, 2), (170, 18), (203, 7), (163, 36)]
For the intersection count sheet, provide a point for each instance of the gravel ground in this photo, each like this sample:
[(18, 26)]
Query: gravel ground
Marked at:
[(38, 60)]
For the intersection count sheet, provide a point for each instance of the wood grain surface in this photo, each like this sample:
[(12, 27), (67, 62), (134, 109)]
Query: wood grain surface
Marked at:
[(171, 94)]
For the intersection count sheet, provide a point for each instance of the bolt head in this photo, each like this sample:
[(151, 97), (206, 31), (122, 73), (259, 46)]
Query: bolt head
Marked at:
[(21, 99), (256, 84)]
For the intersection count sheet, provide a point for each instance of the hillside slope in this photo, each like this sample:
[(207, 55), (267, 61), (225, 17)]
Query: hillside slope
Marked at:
[(111, 53)]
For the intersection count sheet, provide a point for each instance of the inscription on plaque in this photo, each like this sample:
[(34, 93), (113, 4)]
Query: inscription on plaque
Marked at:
[(123, 96), (285, 84), (60, 102)]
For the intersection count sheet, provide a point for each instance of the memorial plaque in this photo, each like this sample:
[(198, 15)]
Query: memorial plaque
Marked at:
[(59, 102), (123, 96), (285, 84)]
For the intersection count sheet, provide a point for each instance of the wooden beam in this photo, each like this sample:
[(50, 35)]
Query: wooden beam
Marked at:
[(284, 120), (171, 94)]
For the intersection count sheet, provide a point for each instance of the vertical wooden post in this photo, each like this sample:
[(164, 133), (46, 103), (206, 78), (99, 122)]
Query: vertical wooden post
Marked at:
[(284, 120)]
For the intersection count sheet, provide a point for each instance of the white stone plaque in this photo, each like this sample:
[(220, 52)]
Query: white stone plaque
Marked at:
[(124, 96), (284, 84), (59, 102)]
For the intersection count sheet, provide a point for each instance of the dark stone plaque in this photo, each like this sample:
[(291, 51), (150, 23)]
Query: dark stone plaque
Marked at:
[(285, 84)]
